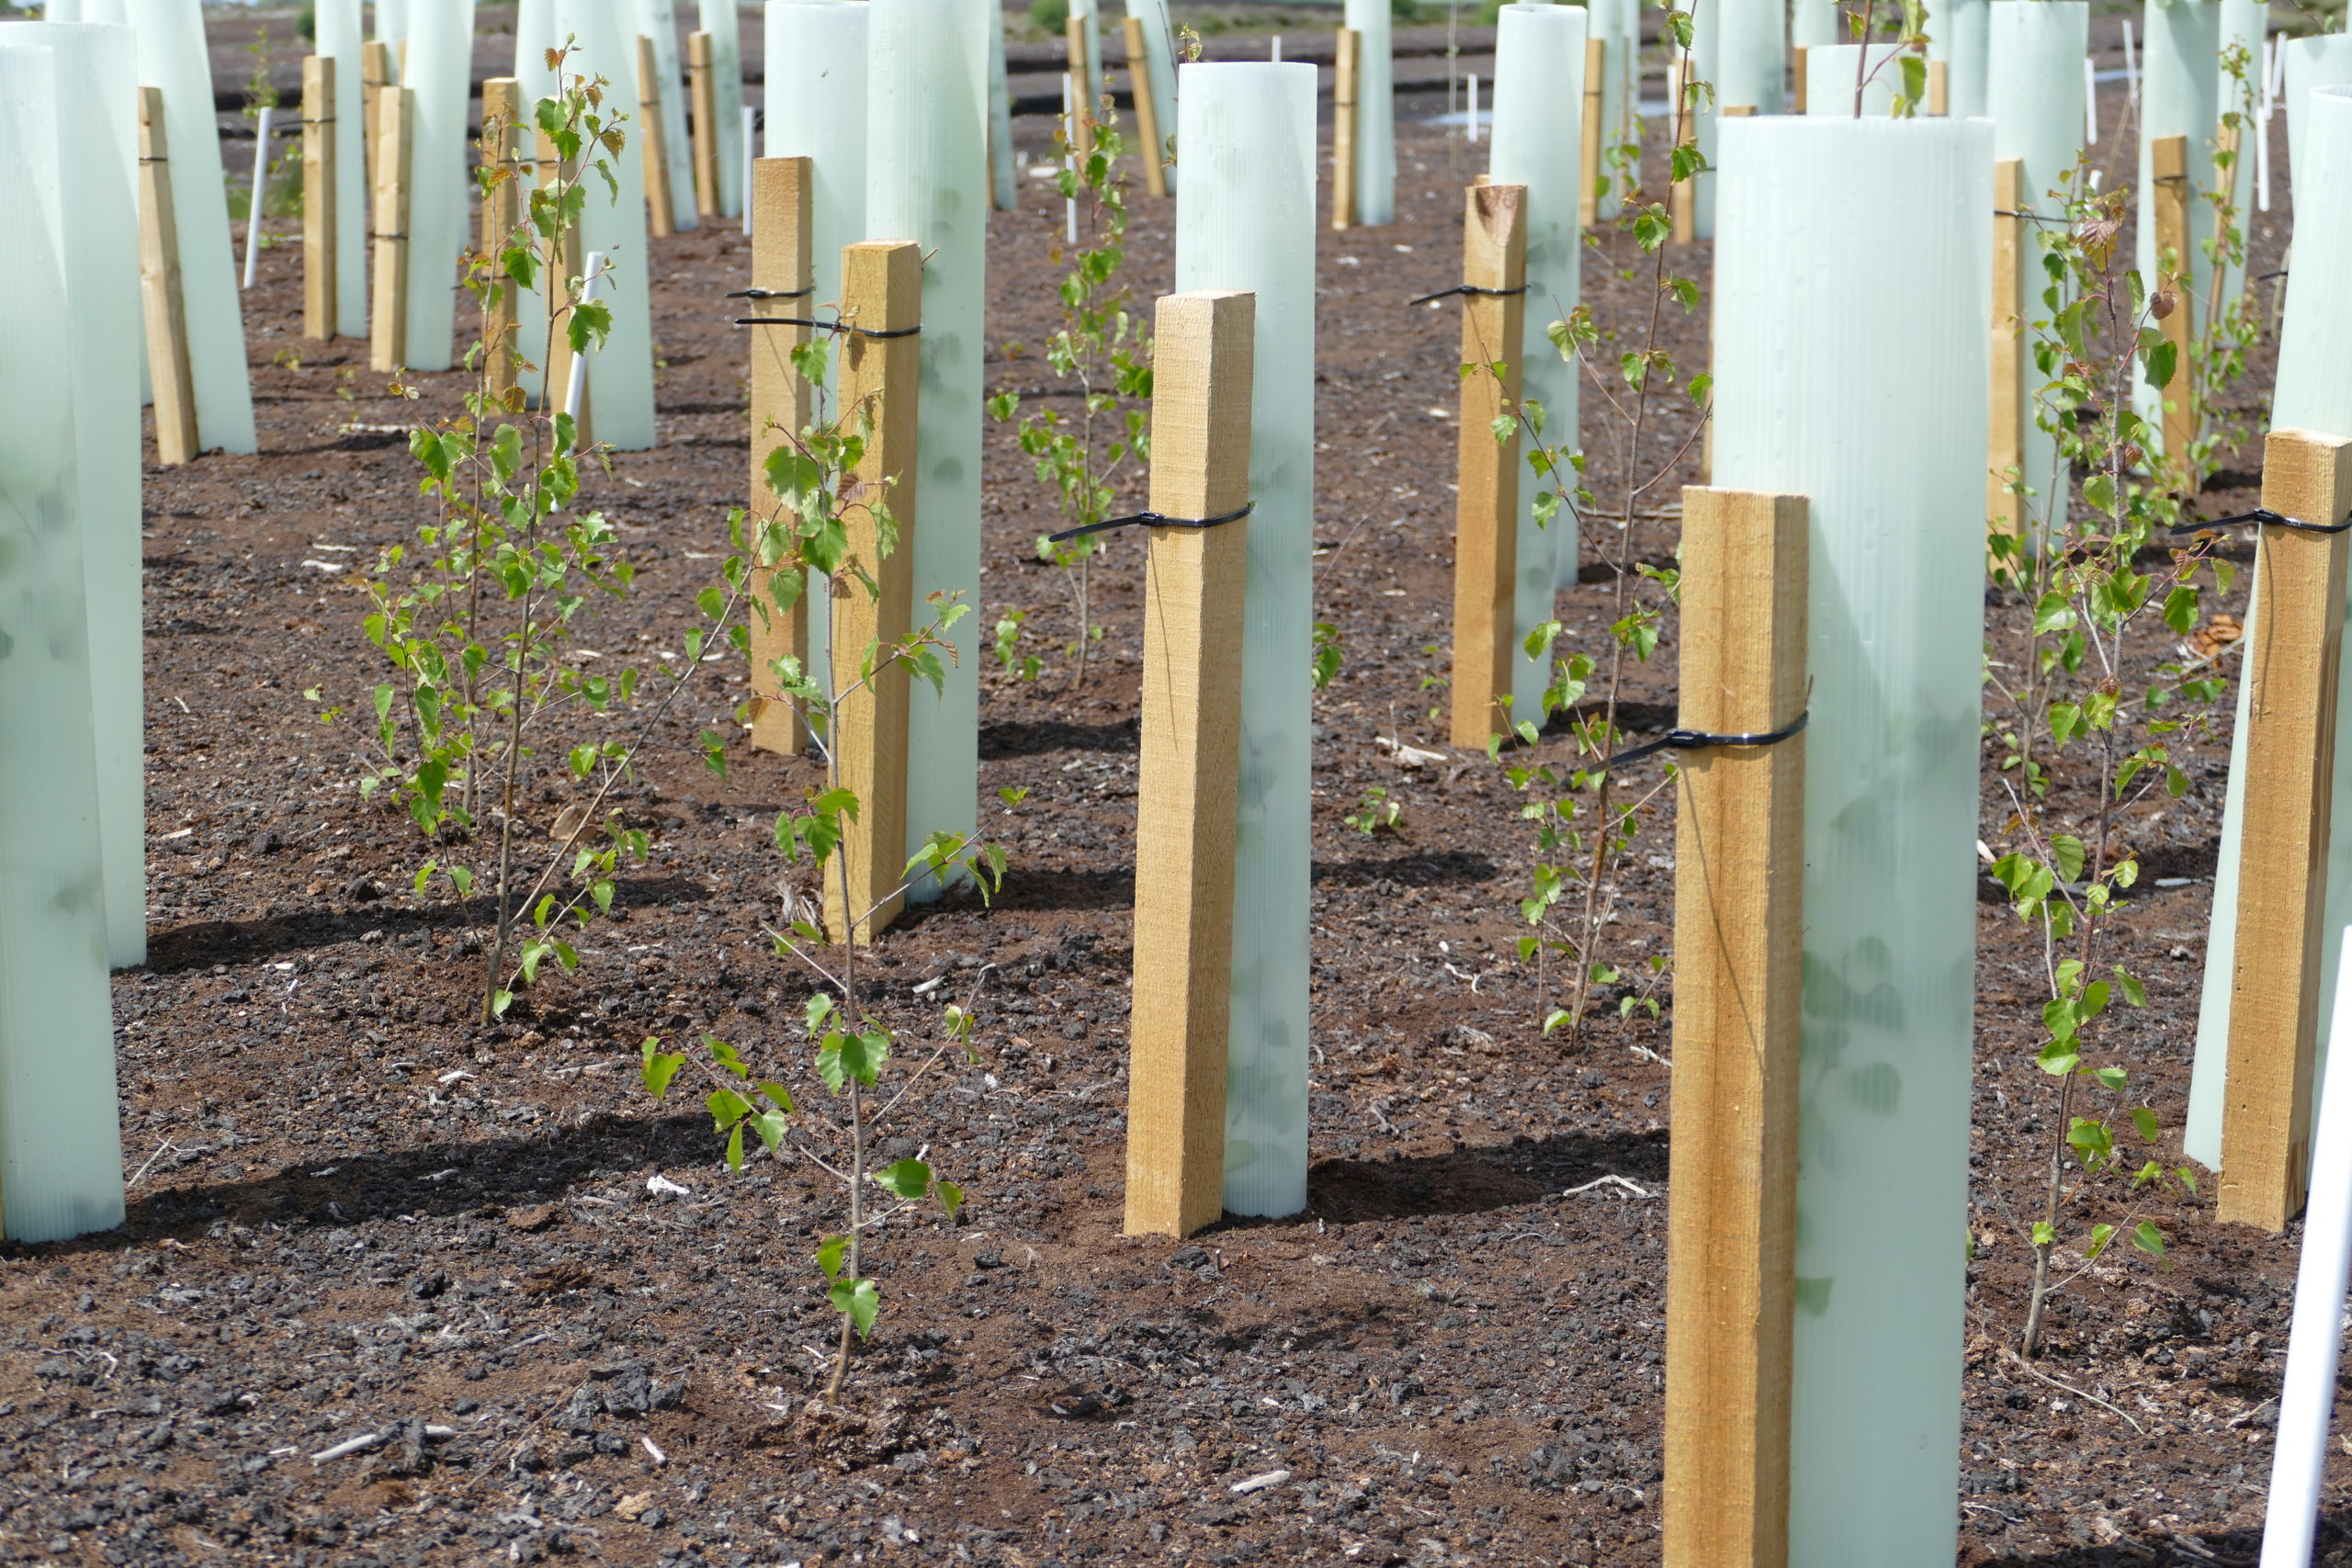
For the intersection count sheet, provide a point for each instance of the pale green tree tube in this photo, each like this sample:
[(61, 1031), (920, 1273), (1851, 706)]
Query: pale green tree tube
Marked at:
[(1829, 80), (534, 34), (391, 26), (440, 74), (1160, 50), (2243, 23), (1089, 15), (2313, 394), (1538, 143), (2312, 63), (172, 56), (1752, 64), (926, 180), (2179, 96), (1376, 112), (1004, 177), (1618, 25), (2034, 50), (339, 41), (1957, 36), (97, 148), (722, 22), (61, 1143), (1246, 221), (620, 374), (657, 19), (1704, 65), (1888, 448), (1813, 23)]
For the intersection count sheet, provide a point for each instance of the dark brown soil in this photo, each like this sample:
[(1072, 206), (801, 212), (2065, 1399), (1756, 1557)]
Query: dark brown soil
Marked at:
[(356, 1211)]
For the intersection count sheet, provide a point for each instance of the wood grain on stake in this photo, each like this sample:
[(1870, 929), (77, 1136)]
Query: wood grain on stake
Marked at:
[(661, 209), (163, 305), (502, 112), (780, 264), (2290, 671), (702, 86), (2006, 458), (387, 321), (1155, 151), (1203, 376), (2168, 169), (1596, 65), (375, 75), (1682, 196), (1082, 129), (318, 197), (1347, 55), (881, 291), (1739, 852), (1486, 548)]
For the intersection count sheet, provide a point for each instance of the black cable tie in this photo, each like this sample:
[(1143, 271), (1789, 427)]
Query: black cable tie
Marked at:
[(2262, 516), (2267, 276), (771, 293), (832, 326), (1700, 740), (1152, 520), (1466, 288)]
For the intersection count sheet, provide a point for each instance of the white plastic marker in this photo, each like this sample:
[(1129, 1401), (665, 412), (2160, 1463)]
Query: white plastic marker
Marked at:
[(1277, 56), (1473, 106), (576, 394), (2262, 138), (2131, 64), (1069, 159), (260, 175), (2300, 1456), (751, 127), (2090, 100)]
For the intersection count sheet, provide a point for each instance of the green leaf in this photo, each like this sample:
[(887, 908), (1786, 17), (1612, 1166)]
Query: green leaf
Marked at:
[(2101, 1237), (2058, 1058), (769, 1126), (951, 1198), (735, 1148), (2149, 1239), (830, 1253), (2111, 1078), (858, 1301), (2066, 853), (821, 1008), (908, 1178), (660, 1067), (726, 1108), (2144, 1122), (2043, 1236)]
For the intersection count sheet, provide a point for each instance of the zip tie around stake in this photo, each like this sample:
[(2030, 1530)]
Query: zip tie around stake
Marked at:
[(1152, 520), (1700, 740), (1466, 289), (832, 326), (771, 293), (2262, 516)]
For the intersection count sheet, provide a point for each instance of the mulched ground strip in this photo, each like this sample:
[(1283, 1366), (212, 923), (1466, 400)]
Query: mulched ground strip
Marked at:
[(358, 1212)]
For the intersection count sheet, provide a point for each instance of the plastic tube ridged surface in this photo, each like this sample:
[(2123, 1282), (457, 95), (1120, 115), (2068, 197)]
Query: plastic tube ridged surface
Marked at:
[(172, 56), (440, 73), (1159, 49), (2312, 63), (926, 180), (1246, 221), (620, 374), (61, 1144), (2313, 393), (1956, 35), (2179, 96), (1829, 85), (1004, 171), (1539, 133), (1375, 113), (721, 21), (657, 19), (339, 40), (2035, 100), (1888, 445), (2244, 22), (1753, 62), (1618, 23)]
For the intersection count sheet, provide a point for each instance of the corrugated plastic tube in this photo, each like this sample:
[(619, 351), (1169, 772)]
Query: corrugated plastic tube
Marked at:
[(1829, 81), (1956, 35), (2035, 99), (1888, 448), (658, 20), (926, 180), (1539, 135), (1618, 25), (260, 191), (620, 374), (534, 34), (337, 22), (2312, 63), (1160, 52), (2180, 90), (1246, 221), (2243, 23), (98, 157), (1752, 63), (2313, 393), (439, 71), (816, 109), (172, 56), (1004, 177), (61, 1144), (1376, 112), (721, 21)]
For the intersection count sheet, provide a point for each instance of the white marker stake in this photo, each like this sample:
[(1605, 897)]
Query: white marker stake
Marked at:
[(750, 128), (1278, 48), (2131, 65), (260, 175), (2300, 1456), (574, 394), (2261, 147), (2090, 100), (1473, 106), (1069, 159)]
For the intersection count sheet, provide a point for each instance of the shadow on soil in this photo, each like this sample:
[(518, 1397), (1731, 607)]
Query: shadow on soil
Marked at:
[(1472, 1180), (1037, 740)]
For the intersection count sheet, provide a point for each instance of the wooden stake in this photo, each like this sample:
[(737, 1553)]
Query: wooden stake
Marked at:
[(1347, 57), (702, 84), (2004, 457), (318, 197), (1082, 130), (1796, 97), (1939, 87), (1739, 963), (1155, 151), (570, 262), (161, 303), (502, 205), (387, 323), (881, 291), (1486, 528), (2290, 752), (375, 75), (780, 264), (1682, 196), (1596, 67), (2168, 167), (662, 212), (1188, 778)]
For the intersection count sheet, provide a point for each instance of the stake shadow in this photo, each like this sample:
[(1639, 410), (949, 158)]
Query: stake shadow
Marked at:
[(2229, 1549), (1000, 740), (1421, 868), (1113, 887), (1476, 1179)]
